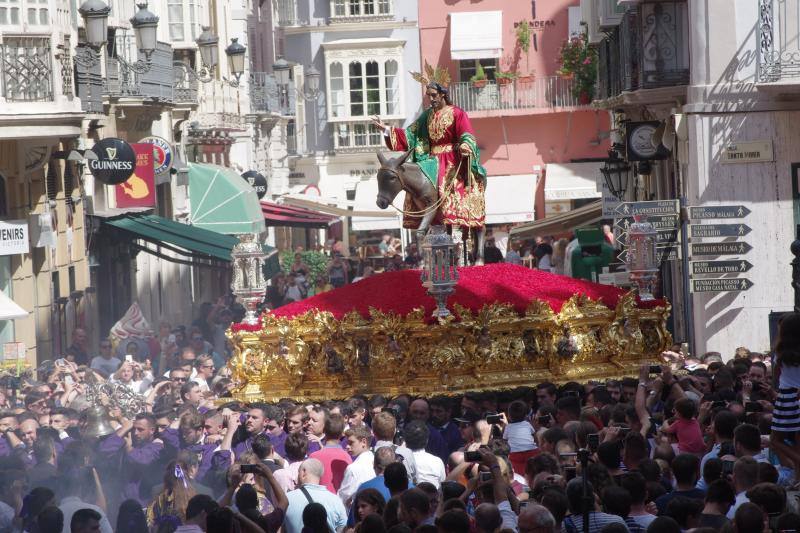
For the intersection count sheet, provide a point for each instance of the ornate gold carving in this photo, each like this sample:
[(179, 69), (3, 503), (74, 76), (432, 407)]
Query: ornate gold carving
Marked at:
[(314, 356)]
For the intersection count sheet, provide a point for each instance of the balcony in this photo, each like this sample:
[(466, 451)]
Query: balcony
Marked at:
[(266, 96), (648, 50), (27, 71), (186, 88), (155, 85), (539, 95), (89, 85), (779, 42)]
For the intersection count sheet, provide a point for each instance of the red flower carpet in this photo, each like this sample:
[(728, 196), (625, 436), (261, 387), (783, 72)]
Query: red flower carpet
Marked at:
[(401, 292)]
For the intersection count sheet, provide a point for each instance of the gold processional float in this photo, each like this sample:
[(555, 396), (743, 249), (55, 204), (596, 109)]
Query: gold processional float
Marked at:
[(511, 326)]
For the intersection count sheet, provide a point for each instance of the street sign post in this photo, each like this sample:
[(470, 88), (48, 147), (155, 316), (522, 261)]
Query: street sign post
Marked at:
[(655, 207), (720, 248), (718, 230), (663, 238), (660, 222), (720, 267), (718, 211), (666, 253), (721, 285)]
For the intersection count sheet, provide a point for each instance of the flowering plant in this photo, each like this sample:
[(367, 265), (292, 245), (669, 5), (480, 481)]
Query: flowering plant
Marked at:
[(579, 62)]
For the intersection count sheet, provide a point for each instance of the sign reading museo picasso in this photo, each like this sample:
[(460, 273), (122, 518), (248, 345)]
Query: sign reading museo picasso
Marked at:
[(115, 161)]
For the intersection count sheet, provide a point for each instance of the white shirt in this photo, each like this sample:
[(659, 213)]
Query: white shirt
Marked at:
[(360, 470), (500, 241), (191, 528), (429, 468), (790, 377), (71, 504), (201, 382), (740, 499), (337, 514), (519, 436)]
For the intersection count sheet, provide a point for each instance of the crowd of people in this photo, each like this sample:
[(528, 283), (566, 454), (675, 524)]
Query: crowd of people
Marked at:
[(151, 441)]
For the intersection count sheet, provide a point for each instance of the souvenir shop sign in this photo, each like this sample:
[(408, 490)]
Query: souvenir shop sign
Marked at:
[(139, 189), (115, 161), (14, 237)]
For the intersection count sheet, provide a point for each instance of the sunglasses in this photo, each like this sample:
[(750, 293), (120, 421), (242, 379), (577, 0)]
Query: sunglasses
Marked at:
[(179, 379)]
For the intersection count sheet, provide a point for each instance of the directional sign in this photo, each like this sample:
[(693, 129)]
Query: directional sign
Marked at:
[(720, 267), (656, 207), (667, 253), (718, 211), (663, 238), (721, 284), (720, 248), (660, 222), (719, 230)]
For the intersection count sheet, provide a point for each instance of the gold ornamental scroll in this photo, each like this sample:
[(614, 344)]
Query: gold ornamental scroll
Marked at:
[(315, 357)]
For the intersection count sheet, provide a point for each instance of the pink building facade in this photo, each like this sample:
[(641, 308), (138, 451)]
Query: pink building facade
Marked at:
[(530, 127)]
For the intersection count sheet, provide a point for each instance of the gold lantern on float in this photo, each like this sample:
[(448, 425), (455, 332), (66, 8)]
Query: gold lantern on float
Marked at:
[(249, 284), (642, 260)]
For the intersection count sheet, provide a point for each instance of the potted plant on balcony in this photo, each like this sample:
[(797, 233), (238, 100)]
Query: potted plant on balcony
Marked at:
[(579, 64), (479, 79), (504, 77), (523, 34)]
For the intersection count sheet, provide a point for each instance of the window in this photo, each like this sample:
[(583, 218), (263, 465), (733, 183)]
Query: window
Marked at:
[(364, 88), (357, 135), (31, 12), (183, 20), (360, 8), (468, 67)]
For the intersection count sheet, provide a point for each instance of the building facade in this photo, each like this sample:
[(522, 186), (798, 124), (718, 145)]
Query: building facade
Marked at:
[(721, 78)]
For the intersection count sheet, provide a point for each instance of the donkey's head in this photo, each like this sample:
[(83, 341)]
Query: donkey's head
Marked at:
[(391, 178)]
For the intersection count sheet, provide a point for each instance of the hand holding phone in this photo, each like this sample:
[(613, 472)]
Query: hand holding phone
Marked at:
[(248, 469), (472, 457)]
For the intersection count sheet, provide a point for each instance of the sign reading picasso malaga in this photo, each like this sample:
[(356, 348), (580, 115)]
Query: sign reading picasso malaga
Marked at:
[(115, 163)]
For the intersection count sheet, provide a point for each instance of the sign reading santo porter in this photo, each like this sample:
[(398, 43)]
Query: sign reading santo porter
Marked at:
[(115, 161)]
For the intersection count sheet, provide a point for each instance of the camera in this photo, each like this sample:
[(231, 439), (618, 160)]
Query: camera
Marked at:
[(494, 419), (593, 441), (544, 420), (485, 476), (570, 472), (655, 369), (472, 457), (249, 469)]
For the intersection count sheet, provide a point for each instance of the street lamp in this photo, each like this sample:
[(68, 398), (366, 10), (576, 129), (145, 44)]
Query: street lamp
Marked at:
[(309, 91), (235, 52), (145, 26), (95, 21), (615, 174)]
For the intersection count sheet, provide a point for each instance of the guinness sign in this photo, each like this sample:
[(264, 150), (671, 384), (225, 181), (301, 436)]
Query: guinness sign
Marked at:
[(257, 181), (115, 161)]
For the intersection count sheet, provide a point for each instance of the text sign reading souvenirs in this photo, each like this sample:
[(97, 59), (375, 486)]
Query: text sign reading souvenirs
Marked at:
[(719, 230), (14, 237), (720, 267), (115, 161), (656, 207), (720, 248), (721, 285), (748, 152), (718, 211)]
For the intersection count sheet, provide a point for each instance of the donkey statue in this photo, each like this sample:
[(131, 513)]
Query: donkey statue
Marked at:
[(398, 174)]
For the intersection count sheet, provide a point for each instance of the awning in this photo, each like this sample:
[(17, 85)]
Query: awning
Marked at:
[(295, 217), (571, 181), (9, 309), (222, 201), (510, 198), (476, 35), (338, 208), (366, 195), (189, 243), (582, 216)]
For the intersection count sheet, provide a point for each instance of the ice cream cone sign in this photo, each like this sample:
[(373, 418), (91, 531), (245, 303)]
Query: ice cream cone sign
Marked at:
[(136, 187)]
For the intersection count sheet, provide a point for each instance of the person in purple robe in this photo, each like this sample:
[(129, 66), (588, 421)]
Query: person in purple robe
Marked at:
[(142, 453), (266, 419)]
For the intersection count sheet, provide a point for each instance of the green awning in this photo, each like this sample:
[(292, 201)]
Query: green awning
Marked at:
[(222, 201), (190, 241)]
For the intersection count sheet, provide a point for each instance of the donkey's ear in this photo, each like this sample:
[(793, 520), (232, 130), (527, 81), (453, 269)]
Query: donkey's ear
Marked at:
[(381, 158), (404, 157)]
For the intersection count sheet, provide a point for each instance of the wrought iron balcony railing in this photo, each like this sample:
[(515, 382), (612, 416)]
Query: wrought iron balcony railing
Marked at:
[(27, 70), (155, 84), (186, 88), (778, 40), (266, 96), (648, 50), (540, 93), (89, 85)]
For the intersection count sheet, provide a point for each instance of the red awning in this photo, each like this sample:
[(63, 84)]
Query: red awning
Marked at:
[(296, 217)]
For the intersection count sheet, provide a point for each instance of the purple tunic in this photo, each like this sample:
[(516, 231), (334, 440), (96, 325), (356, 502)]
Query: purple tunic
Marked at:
[(136, 465)]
